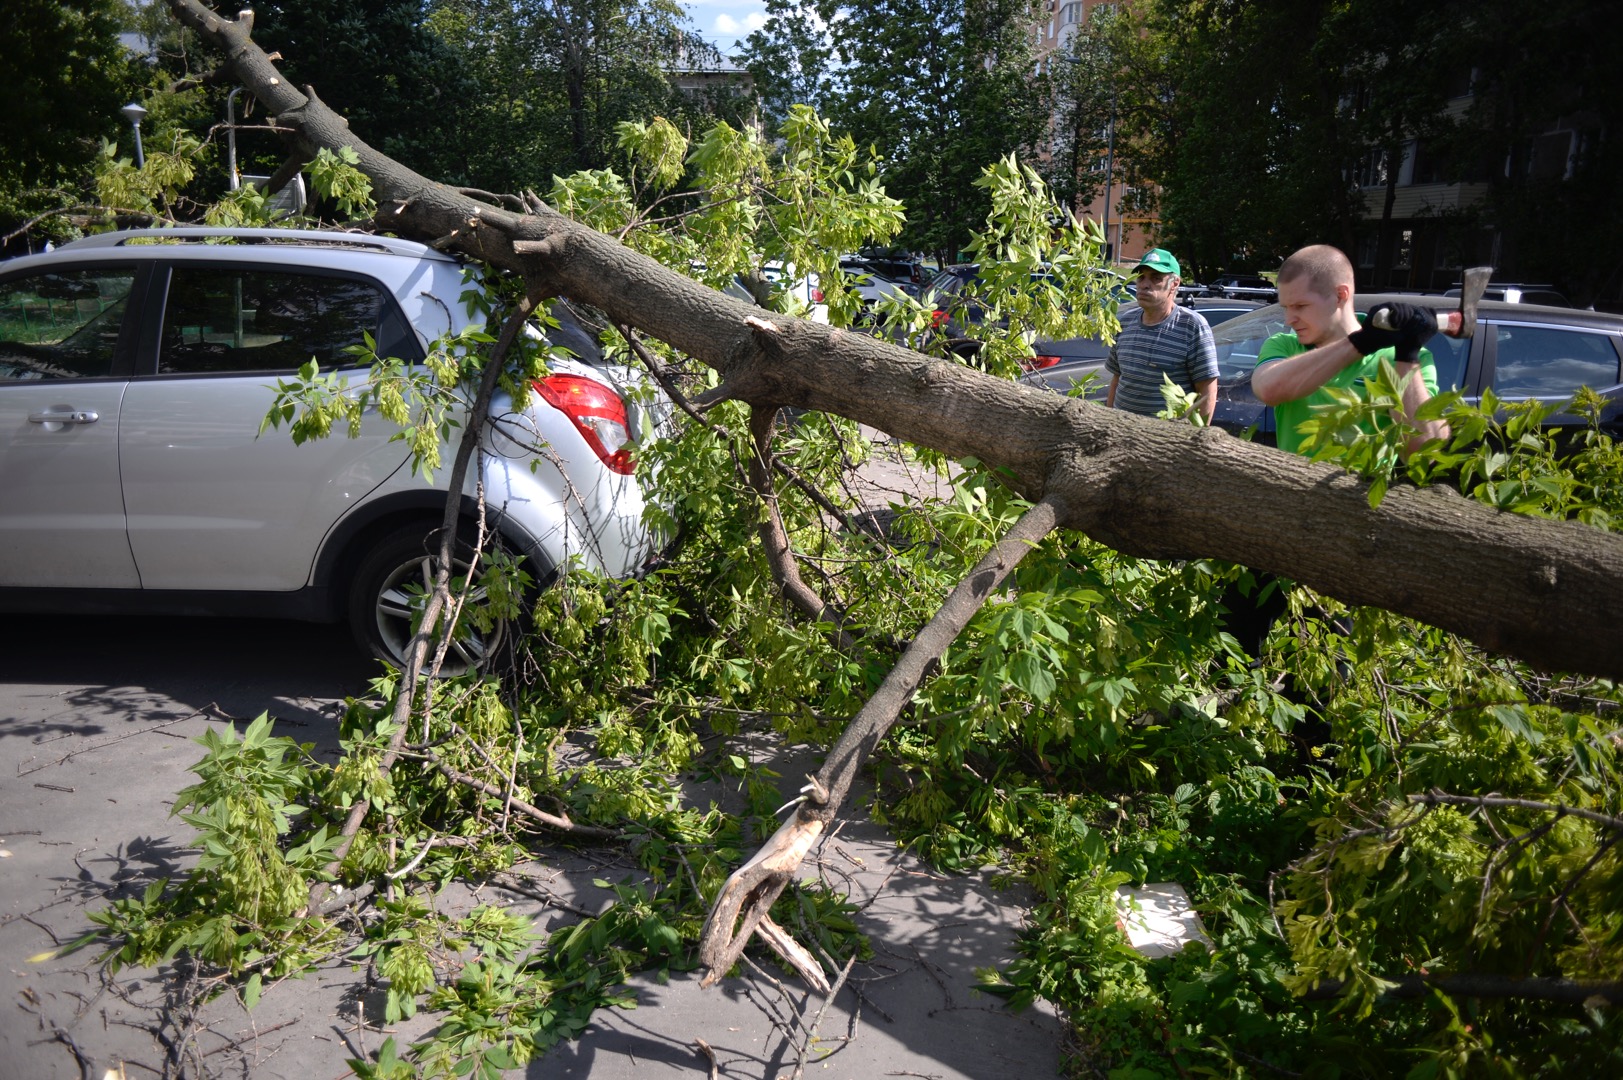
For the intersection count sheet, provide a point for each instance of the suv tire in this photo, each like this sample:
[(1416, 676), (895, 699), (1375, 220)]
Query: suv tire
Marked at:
[(390, 583)]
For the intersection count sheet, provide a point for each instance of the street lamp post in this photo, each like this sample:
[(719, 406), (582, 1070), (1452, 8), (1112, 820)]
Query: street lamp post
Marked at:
[(1110, 174), (134, 114)]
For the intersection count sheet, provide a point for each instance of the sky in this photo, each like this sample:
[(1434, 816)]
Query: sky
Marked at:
[(726, 23)]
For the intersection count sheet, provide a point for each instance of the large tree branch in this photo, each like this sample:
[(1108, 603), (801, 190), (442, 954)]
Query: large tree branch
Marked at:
[(748, 894)]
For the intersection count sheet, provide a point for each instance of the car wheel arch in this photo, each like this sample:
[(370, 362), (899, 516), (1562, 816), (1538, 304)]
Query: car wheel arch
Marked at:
[(349, 541)]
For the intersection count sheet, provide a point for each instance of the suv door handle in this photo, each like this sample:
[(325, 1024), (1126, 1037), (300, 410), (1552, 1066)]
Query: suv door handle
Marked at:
[(75, 416)]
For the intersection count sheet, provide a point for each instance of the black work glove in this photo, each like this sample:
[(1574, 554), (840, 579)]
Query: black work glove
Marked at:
[(1413, 325), (1367, 339)]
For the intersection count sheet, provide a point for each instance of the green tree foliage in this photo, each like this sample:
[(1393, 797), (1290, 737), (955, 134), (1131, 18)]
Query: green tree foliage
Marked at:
[(1085, 103), (554, 77), (1554, 198), (1249, 128), (940, 89), (1228, 123), (790, 59), (376, 62), (1368, 809), (1402, 73), (66, 76)]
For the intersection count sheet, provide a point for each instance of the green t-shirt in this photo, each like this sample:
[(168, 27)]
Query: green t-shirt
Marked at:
[(1289, 415)]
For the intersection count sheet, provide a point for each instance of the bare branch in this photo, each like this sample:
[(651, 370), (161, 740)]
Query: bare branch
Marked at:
[(559, 822), (1439, 798), (1474, 985), (748, 893), (439, 598), (780, 555)]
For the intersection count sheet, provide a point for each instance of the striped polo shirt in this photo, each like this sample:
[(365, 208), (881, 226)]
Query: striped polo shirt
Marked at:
[(1179, 346)]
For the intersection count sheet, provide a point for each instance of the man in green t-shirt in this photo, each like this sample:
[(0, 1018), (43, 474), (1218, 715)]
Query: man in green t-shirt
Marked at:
[(1326, 346)]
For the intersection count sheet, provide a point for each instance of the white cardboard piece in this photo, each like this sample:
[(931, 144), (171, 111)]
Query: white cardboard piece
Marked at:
[(1158, 918)]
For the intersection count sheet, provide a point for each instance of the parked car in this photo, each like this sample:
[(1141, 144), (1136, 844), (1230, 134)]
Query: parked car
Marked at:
[(953, 292), (1519, 350), (804, 289), (899, 268), (869, 284), (1243, 287), (136, 369), (1060, 365), (1519, 294)]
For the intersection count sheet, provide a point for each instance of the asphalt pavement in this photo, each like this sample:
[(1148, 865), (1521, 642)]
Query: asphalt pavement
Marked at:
[(97, 718)]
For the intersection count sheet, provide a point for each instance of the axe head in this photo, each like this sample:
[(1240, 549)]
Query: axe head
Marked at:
[(1472, 284)]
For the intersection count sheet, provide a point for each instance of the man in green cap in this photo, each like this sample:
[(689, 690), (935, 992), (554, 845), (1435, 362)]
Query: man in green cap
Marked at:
[(1160, 340)]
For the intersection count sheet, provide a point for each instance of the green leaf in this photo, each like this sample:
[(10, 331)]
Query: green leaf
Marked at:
[(250, 991), (1028, 672)]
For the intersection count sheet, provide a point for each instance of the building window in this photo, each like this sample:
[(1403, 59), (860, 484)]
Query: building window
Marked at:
[(1404, 256), (1367, 248), (1551, 156), (1372, 170)]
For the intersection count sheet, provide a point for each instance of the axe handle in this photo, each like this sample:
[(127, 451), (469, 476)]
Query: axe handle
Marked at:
[(1448, 322)]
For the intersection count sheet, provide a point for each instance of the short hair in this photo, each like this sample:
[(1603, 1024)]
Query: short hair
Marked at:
[(1324, 267)]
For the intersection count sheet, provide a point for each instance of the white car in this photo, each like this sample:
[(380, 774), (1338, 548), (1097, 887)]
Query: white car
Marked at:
[(136, 369)]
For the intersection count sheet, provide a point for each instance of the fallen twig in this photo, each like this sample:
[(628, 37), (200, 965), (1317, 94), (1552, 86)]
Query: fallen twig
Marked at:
[(522, 885), (816, 1025), (551, 821), (214, 706), (709, 1055), (1435, 798)]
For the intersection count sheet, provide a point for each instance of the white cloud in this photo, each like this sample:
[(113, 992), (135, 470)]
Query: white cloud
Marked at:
[(726, 24)]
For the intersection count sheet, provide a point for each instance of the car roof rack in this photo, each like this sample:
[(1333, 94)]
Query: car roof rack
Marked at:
[(391, 245)]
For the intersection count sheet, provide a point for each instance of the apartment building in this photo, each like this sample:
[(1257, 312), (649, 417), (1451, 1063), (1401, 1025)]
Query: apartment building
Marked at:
[(1128, 231)]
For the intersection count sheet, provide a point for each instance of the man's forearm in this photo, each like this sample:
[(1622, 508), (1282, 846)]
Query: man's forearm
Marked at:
[(1415, 394), (1206, 398), (1110, 394), (1294, 377)]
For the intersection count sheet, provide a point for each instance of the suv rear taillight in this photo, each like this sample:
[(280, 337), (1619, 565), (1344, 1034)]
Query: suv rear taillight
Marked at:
[(938, 319), (1038, 362), (597, 413)]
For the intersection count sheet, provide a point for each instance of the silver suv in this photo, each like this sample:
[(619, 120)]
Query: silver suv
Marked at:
[(136, 369)]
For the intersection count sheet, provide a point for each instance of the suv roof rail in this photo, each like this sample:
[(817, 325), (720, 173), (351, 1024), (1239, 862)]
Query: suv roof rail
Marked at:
[(391, 245)]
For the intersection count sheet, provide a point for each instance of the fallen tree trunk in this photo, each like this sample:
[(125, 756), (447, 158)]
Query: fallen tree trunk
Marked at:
[(1550, 593)]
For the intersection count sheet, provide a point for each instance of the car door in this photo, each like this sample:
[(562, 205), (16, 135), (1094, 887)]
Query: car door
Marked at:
[(213, 504), (65, 355), (1550, 361)]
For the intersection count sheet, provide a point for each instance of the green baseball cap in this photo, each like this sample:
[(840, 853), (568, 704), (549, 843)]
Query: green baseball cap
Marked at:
[(1159, 259)]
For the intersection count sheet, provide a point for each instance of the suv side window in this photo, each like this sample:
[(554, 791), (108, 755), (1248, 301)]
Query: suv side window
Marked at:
[(1449, 354), (63, 325), (223, 319), (1547, 362)]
